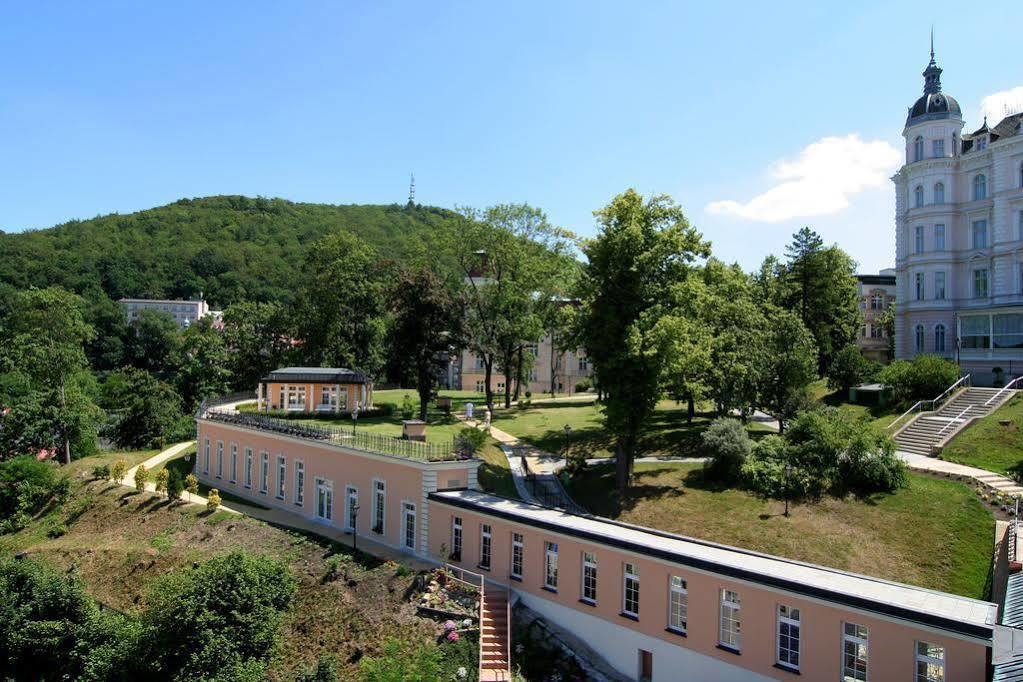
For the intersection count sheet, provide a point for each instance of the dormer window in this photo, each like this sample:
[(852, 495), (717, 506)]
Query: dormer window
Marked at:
[(979, 187), (918, 197), (980, 144), (918, 148)]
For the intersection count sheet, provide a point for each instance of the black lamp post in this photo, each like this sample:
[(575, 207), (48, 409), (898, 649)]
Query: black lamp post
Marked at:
[(568, 435), (788, 472), (355, 417), (355, 528)]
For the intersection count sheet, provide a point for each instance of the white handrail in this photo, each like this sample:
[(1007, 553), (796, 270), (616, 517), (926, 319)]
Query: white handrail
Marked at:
[(1007, 387), (918, 407), (954, 420)]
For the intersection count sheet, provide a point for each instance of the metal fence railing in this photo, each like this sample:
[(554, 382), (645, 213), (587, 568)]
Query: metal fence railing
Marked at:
[(350, 438)]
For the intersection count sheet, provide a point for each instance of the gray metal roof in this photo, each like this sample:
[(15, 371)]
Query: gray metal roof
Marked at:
[(339, 375), (961, 615), (1012, 616)]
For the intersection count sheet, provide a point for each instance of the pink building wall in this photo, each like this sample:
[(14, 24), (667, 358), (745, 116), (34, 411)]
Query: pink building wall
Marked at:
[(891, 643)]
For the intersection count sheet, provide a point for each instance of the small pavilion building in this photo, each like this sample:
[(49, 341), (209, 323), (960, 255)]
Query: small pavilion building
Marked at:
[(314, 389)]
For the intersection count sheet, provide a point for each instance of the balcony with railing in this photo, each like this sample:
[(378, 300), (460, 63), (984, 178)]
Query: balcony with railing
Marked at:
[(351, 438)]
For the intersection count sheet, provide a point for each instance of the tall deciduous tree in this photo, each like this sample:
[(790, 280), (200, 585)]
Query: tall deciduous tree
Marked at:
[(258, 337), (341, 321), (42, 341), (426, 327), (153, 343), (788, 365), (204, 364), (144, 409), (644, 247)]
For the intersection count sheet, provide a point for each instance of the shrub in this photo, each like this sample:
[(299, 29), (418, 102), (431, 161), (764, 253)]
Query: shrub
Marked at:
[(101, 472), (848, 368), (408, 408), (582, 387), (325, 671), (162, 480), (141, 477), (26, 486), (727, 444), (118, 471), (926, 377), (469, 441), (871, 465), (192, 484), (175, 484), (220, 620), (213, 500), (398, 662)]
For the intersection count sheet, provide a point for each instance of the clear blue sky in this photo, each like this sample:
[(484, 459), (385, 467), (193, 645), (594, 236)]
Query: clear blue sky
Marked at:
[(116, 107)]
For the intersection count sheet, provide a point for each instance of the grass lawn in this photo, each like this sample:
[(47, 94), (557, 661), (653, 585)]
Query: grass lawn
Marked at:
[(668, 432), (879, 417), (935, 533), (989, 445), (119, 541)]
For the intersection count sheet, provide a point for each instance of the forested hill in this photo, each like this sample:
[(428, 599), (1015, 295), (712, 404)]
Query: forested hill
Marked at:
[(232, 248)]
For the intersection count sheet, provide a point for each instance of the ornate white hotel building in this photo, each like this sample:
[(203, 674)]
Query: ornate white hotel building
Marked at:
[(959, 238)]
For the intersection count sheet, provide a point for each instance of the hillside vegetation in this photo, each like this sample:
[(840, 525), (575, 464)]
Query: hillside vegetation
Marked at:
[(231, 248)]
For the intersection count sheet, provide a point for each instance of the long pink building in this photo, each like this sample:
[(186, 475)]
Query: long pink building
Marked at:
[(654, 605)]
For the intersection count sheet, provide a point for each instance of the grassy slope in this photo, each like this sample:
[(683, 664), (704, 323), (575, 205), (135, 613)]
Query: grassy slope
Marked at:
[(120, 541), (880, 417), (989, 445), (935, 533)]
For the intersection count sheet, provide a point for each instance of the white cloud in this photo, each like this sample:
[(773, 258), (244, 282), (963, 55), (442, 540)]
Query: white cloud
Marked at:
[(819, 181), (1001, 104)]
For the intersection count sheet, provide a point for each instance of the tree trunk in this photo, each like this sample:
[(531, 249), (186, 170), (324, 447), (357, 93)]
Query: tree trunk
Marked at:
[(691, 409), (624, 454), (507, 380), (554, 372), (521, 361), (425, 388), (488, 369), (67, 441)]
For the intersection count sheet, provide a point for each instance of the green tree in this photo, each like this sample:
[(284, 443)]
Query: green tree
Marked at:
[(221, 617), (820, 284), (426, 327), (203, 371), (162, 480), (789, 365), (42, 342), (342, 304), (144, 408), (153, 343), (259, 338), (643, 248), (849, 368)]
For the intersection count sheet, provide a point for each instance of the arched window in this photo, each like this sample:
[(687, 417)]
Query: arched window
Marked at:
[(919, 338), (939, 339), (980, 187), (939, 193), (918, 197), (918, 148)]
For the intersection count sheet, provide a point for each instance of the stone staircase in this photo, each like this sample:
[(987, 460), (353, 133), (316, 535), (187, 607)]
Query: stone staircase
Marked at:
[(928, 429), (495, 638)]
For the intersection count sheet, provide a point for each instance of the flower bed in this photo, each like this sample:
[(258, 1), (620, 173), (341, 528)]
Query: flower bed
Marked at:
[(449, 598)]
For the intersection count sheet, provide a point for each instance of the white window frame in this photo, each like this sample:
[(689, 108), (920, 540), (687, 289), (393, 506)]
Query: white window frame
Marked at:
[(299, 483), (788, 621), (919, 338), (486, 546), (589, 578), (939, 285), (939, 237), (282, 473), (408, 510), (860, 652), (206, 460), (921, 291), (379, 506), (630, 589), (678, 604), (351, 501), (730, 620), (264, 472), (977, 292), (978, 228), (934, 666), (234, 463), (938, 148), (456, 538), (327, 508), (918, 239), (518, 554), (248, 467), (918, 196), (550, 565), (220, 459)]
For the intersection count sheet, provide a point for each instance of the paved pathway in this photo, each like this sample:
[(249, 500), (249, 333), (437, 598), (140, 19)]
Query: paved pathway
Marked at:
[(1000, 483)]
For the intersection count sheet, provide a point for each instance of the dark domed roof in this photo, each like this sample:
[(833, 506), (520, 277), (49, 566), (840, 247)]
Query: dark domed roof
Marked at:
[(935, 105)]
